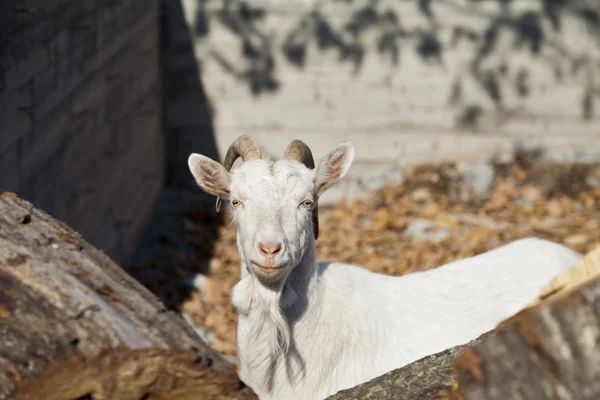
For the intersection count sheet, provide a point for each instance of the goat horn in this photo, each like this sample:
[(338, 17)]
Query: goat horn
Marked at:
[(244, 147), (298, 150)]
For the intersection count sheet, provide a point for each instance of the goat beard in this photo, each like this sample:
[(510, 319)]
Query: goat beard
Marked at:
[(272, 321), (268, 305)]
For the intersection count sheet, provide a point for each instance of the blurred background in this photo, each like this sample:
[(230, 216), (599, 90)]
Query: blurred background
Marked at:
[(475, 122)]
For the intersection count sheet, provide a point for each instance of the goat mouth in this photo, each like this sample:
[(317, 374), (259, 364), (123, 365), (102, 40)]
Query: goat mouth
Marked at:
[(267, 271)]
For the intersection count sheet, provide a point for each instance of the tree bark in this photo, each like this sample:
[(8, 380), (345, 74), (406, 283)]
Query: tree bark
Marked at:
[(429, 378), (62, 299), (548, 351)]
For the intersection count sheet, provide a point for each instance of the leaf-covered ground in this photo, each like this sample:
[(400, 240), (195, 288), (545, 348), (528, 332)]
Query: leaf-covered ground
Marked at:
[(431, 219)]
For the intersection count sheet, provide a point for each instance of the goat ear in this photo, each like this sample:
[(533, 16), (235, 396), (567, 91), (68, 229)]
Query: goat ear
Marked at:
[(333, 166), (211, 176)]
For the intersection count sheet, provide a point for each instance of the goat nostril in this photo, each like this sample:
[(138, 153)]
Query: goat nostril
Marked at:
[(270, 249)]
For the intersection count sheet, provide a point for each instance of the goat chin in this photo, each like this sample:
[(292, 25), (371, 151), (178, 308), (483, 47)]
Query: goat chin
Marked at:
[(334, 326)]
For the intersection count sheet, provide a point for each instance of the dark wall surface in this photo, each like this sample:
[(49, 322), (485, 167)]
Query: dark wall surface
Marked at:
[(80, 114)]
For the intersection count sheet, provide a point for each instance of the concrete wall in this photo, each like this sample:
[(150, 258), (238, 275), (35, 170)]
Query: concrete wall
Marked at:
[(188, 127), (80, 113), (406, 81), (188, 111)]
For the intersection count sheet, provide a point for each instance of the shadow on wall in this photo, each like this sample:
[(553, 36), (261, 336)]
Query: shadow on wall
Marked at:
[(508, 29), (168, 257)]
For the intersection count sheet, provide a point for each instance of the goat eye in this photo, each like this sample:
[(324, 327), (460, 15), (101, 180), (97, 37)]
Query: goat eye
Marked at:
[(236, 203), (306, 204)]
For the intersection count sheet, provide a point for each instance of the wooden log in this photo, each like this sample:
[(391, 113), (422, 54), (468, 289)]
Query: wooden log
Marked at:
[(61, 299), (586, 270), (430, 378), (548, 351), (126, 374)]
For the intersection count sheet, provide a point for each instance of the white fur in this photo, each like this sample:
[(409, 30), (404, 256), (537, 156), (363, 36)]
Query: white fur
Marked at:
[(321, 328)]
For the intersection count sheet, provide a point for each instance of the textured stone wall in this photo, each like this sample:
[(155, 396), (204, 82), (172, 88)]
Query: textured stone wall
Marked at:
[(80, 113), (406, 80)]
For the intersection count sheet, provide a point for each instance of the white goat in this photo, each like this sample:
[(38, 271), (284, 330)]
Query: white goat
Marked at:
[(308, 330)]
